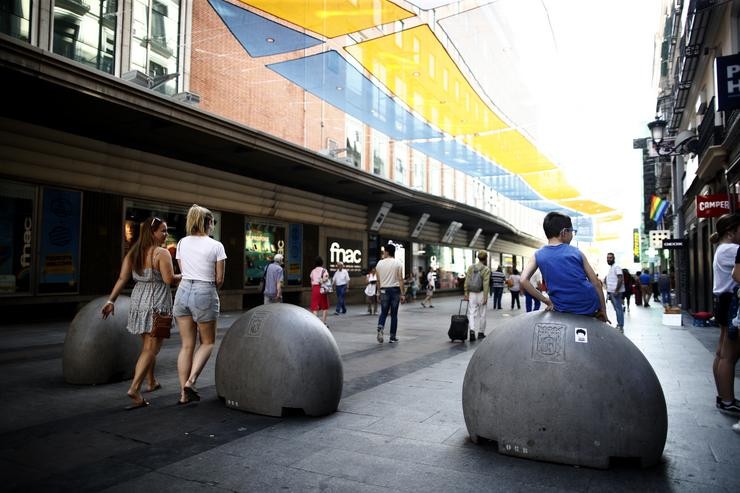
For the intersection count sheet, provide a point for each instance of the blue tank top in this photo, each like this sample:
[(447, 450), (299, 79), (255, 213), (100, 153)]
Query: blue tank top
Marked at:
[(567, 284)]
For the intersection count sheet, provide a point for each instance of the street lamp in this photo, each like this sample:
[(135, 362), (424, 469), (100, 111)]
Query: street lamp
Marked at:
[(684, 143)]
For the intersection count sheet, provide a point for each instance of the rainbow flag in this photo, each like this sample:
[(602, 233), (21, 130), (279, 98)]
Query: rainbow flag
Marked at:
[(658, 207)]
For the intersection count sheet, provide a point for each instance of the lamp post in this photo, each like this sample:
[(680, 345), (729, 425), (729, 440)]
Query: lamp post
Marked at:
[(685, 142)]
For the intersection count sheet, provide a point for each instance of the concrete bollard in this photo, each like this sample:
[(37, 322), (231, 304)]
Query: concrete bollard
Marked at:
[(565, 388), (279, 358), (100, 351)]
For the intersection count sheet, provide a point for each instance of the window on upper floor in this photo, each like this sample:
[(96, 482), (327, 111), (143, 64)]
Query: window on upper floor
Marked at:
[(155, 49), (15, 18), (85, 31)]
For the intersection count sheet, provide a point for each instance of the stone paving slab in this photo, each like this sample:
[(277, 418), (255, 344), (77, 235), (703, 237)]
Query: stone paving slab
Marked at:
[(399, 426)]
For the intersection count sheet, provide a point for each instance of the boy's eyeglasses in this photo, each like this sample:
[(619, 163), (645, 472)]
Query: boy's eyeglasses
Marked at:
[(569, 230)]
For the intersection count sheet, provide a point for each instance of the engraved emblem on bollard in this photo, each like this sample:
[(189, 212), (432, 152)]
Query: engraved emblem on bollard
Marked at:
[(549, 343), (254, 329)]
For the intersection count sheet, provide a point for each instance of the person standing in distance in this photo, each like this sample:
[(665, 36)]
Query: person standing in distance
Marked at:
[(498, 281), (615, 289), (341, 284), (274, 281), (202, 261), (477, 285), (391, 289)]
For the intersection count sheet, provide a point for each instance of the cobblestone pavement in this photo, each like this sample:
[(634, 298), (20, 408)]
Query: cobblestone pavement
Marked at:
[(399, 426)]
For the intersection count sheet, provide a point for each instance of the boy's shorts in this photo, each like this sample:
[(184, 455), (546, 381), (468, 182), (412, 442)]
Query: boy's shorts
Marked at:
[(196, 299)]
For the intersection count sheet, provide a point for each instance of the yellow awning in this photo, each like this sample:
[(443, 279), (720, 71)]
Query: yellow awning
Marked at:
[(332, 18), (551, 184), (414, 66), (585, 206)]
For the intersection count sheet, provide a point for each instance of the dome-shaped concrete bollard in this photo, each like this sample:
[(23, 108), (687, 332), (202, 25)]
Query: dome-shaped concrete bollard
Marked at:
[(100, 351), (565, 388), (277, 359)]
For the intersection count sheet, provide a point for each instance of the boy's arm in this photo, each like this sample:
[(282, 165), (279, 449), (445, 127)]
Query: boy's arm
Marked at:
[(530, 269), (596, 284)]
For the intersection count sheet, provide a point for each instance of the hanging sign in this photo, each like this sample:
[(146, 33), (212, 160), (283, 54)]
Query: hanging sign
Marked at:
[(636, 245), (712, 205), (728, 82)]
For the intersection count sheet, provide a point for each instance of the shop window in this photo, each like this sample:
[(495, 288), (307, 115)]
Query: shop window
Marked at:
[(17, 237), (59, 241), (261, 242), (175, 216), (15, 18)]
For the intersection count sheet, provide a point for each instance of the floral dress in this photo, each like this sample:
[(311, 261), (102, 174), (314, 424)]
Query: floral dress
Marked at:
[(149, 292)]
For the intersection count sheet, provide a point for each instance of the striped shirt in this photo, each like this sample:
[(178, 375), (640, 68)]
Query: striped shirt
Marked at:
[(497, 279)]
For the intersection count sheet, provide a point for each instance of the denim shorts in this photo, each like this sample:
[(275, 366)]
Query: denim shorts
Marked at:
[(196, 299)]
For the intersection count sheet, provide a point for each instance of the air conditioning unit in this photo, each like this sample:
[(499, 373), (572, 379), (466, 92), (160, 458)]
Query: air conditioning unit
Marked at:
[(137, 77), (187, 97)]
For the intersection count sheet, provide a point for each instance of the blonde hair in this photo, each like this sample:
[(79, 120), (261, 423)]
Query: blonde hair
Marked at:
[(199, 220)]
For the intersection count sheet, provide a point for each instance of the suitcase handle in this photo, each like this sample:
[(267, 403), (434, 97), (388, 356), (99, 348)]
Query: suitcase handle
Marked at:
[(459, 310)]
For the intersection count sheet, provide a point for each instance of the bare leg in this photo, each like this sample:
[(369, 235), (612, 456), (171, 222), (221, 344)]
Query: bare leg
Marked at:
[(144, 365), (207, 331), (185, 358), (323, 316), (715, 363), (726, 368)]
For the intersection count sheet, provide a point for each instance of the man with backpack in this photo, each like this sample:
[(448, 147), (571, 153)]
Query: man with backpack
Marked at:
[(477, 287)]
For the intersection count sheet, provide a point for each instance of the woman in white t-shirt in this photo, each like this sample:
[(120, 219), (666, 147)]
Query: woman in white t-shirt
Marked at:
[(725, 309), (202, 263)]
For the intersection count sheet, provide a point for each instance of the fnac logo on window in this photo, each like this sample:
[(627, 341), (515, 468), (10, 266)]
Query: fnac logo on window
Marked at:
[(349, 252)]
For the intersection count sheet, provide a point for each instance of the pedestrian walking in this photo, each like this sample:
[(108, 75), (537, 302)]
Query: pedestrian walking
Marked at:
[(152, 270), (646, 288), (572, 285), (654, 285), (514, 288), (371, 291), (498, 280), (392, 291), (477, 288), (431, 279), (615, 288), (664, 285), (629, 286), (727, 238), (637, 289), (319, 294), (274, 281), (341, 280), (529, 300), (202, 261)]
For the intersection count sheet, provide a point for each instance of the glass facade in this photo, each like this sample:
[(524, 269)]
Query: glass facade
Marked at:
[(155, 50), (15, 18), (17, 237), (262, 240), (85, 31)]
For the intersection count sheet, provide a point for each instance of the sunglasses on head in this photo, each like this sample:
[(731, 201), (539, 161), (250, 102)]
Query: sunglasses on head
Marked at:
[(155, 223)]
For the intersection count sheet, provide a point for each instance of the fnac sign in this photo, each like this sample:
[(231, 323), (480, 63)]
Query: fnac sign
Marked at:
[(712, 205)]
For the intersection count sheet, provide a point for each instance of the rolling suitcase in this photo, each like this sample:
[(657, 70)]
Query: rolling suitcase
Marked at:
[(459, 325)]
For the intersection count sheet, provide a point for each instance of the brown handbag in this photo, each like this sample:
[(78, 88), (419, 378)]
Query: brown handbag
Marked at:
[(161, 322)]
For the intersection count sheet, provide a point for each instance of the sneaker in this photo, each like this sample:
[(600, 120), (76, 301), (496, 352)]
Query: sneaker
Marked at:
[(481, 336), (472, 335), (620, 329), (393, 339), (431, 306), (380, 335), (423, 305), (731, 409), (736, 427), (717, 401)]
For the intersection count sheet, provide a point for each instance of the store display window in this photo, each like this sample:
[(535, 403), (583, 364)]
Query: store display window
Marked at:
[(175, 216), (59, 241), (17, 242), (261, 242)]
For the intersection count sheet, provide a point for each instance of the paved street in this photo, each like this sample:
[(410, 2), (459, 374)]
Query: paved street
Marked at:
[(399, 426)]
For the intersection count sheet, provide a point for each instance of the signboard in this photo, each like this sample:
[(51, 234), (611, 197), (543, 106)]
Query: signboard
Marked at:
[(349, 252), (674, 244), (728, 82), (636, 245), (657, 236), (59, 248), (294, 257), (712, 205)]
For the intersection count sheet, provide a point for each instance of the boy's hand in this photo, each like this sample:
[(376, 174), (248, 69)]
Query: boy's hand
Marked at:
[(548, 305)]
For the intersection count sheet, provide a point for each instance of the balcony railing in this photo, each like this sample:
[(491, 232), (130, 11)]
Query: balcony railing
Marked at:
[(709, 134)]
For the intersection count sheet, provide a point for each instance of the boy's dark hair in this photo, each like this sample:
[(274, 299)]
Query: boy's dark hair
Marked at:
[(391, 249), (554, 223)]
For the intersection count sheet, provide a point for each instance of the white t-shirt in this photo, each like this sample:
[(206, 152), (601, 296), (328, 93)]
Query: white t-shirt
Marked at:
[(612, 279), (389, 270), (515, 278), (724, 261), (430, 281), (341, 277), (198, 256)]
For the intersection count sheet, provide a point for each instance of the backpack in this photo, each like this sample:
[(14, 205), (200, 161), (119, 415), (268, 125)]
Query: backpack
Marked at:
[(475, 281)]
